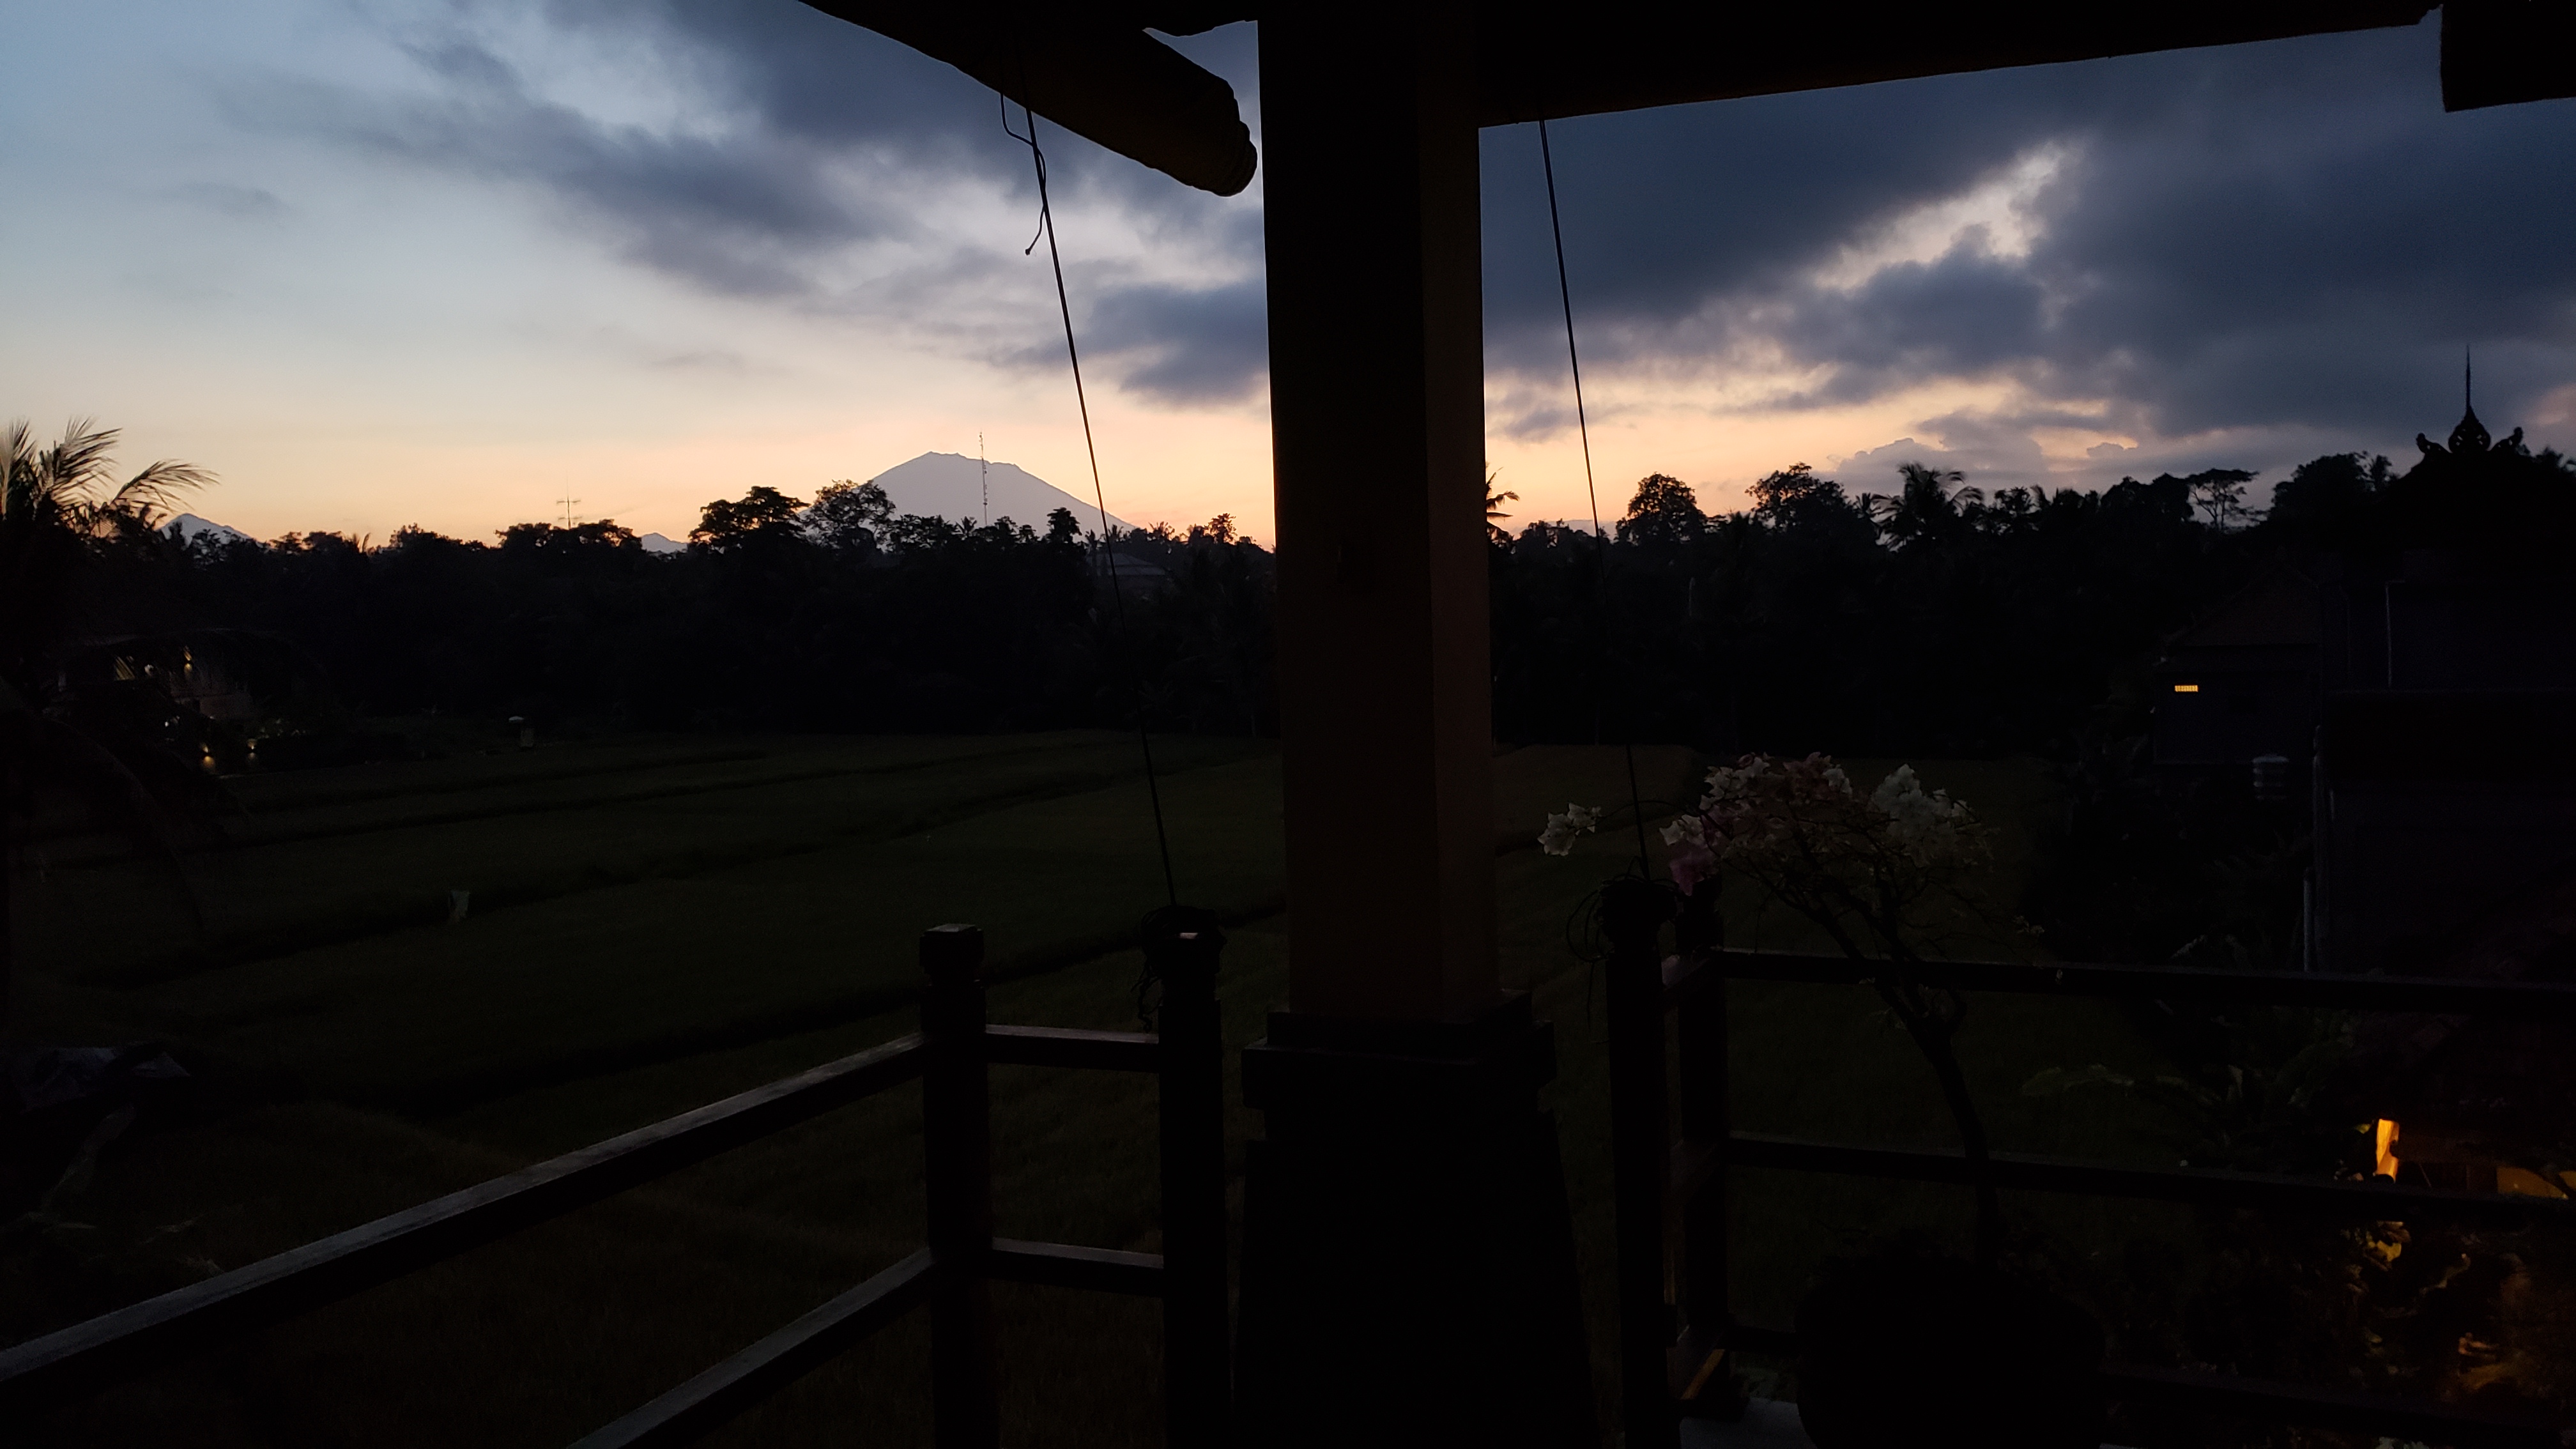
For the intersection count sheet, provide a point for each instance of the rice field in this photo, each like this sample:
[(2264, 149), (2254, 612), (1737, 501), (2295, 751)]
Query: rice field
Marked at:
[(646, 925)]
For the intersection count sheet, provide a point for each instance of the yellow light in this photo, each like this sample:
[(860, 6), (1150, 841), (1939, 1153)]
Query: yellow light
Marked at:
[(2186, 689), (2386, 1142)]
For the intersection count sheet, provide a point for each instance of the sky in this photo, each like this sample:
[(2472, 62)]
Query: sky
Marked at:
[(449, 263)]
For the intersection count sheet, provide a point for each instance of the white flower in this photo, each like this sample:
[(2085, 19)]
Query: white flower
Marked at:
[(1929, 826), (1558, 837), (1733, 782), (1689, 829)]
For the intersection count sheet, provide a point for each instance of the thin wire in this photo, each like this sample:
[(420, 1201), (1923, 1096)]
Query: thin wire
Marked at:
[(1099, 497), (1583, 429)]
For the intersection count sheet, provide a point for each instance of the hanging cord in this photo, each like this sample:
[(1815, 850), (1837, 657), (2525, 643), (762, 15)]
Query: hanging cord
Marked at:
[(1583, 429), (1099, 498)]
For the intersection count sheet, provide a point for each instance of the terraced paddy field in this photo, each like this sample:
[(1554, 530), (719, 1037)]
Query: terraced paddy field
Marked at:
[(651, 924)]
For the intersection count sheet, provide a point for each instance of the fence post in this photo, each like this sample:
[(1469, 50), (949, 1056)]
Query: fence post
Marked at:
[(1706, 1121), (957, 1152), (1633, 912), (1197, 1381)]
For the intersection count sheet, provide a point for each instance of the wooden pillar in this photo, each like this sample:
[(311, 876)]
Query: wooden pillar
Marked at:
[(1377, 422), (1634, 912), (1408, 1266), (1197, 1340), (957, 1151)]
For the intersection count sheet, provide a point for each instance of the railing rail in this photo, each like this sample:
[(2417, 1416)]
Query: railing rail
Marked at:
[(1670, 1336), (78, 1359), (2237, 1396), (2436, 995), (2021, 1172), (953, 1055)]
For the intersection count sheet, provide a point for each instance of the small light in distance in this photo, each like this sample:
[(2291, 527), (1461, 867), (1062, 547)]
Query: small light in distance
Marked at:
[(2186, 689)]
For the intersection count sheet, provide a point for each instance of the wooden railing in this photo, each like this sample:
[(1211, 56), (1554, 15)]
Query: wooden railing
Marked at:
[(951, 1055), (1669, 1340)]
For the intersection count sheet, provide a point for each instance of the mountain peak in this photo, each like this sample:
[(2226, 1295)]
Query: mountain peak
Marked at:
[(954, 486), (190, 528)]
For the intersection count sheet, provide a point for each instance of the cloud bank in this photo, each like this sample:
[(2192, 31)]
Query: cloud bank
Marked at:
[(2242, 257), (2249, 251)]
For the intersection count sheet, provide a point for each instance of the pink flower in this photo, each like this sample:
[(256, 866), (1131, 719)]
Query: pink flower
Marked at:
[(1690, 865)]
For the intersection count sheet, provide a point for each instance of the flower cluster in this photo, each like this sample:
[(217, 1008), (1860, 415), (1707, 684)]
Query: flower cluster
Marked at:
[(1932, 828), (1800, 829), (1558, 837)]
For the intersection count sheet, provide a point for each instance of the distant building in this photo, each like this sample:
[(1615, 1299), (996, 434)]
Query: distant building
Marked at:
[(1135, 576), (2245, 683), (204, 687), (2443, 797), (2435, 809), (2446, 751), (2418, 688)]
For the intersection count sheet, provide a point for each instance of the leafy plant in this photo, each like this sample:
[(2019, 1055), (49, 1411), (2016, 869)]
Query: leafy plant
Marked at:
[(86, 648), (1880, 874)]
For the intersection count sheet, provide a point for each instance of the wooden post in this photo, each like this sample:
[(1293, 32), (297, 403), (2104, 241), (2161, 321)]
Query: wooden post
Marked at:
[(1634, 912), (1407, 1255), (1197, 1379), (1377, 412), (1705, 1121), (957, 1151)]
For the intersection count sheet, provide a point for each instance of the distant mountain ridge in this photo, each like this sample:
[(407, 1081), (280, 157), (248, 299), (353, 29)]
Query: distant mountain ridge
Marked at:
[(190, 528), (953, 486), (935, 485)]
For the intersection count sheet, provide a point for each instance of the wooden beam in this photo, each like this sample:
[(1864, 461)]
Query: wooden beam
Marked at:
[(1532, 63), (1089, 69)]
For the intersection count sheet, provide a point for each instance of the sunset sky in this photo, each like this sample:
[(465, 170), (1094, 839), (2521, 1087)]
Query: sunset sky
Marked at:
[(382, 262)]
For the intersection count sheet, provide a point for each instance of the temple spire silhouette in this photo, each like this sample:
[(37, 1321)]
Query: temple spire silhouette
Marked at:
[(2471, 435), (2469, 438)]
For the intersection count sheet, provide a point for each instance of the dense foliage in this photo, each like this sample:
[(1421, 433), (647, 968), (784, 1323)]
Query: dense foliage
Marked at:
[(846, 618), (1935, 622)]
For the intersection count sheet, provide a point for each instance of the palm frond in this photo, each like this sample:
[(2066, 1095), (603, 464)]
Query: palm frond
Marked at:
[(150, 494), (18, 487), (78, 461)]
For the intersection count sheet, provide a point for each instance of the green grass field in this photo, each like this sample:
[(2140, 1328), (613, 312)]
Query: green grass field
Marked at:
[(656, 923)]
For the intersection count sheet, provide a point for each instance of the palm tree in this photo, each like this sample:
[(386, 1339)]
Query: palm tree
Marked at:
[(83, 649), (1925, 510)]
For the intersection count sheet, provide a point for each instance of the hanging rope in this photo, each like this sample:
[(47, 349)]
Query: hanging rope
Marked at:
[(1099, 498), (1583, 429)]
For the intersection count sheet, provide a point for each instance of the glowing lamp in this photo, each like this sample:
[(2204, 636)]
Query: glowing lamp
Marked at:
[(2186, 689)]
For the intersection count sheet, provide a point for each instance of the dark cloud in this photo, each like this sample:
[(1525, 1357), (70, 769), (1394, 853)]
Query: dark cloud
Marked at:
[(813, 137), (745, 212), (2288, 238), (1185, 346), (1963, 315)]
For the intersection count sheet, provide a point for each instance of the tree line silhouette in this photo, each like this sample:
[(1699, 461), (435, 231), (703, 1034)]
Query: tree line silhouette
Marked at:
[(1938, 620), (838, 615)]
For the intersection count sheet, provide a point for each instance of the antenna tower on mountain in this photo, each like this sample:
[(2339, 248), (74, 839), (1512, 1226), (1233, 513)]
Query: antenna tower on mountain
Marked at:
[(568, 502), (984, 473)]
